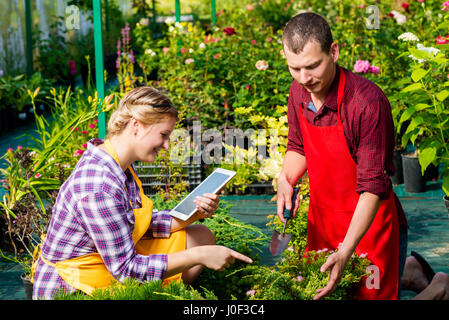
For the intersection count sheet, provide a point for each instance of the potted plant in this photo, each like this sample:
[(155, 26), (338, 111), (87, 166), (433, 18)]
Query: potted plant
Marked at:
[(425, 105)]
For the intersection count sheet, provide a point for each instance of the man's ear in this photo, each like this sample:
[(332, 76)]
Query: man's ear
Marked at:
[(334, 51)]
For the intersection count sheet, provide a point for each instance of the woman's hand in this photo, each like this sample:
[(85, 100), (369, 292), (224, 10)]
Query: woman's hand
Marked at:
[(206, 205), (219, 257)]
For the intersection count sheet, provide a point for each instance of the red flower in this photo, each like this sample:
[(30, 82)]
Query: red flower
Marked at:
[(391, 14), (442, 40), (405, 5), (229, 31)]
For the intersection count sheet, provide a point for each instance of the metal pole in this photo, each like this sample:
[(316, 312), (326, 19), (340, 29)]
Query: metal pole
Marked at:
[(177, 11), (213, 12), (29, 44), (99, 64)]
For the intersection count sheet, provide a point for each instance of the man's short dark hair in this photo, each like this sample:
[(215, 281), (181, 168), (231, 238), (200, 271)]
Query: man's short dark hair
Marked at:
[(305, 27)]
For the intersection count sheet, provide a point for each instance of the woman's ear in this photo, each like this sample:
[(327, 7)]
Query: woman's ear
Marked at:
[(134, 125)]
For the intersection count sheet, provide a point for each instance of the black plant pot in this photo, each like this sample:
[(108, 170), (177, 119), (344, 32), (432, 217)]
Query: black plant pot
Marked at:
[(414, 181), (28, 286), (398, 177), (431, 173), (446, 202)]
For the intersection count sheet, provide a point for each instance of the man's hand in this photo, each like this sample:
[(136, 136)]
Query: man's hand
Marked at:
[(284, 198), (336, 262)]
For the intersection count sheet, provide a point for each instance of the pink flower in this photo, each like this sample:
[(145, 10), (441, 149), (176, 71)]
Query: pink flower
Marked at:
[(74, 129), (298, 278), (253, 41), (406, 6), (84, 132), (445, 6), (85, 145), (217, 56), (361, 6), (183, 50), (421, 1), (361, 66), (96, 120), (10, 150), (78, 153), (72, 66), (249, 7), (189, 61), (374, 70), (38, 175), (442, 40), (269, 39), (229, 31), (92, 125), (250, 292), (165, 50), (19, 147)]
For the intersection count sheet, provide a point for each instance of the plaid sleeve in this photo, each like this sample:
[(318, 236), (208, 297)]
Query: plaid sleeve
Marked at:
[(104, 217), (160, 224)]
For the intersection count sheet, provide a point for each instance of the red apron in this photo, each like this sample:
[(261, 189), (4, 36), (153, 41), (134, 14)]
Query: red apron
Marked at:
[(333, 199)]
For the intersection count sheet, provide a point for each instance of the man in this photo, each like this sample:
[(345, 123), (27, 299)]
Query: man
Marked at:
[(341, 132)]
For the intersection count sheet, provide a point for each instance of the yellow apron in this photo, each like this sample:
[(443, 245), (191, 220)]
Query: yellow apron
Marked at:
[(89, 272)]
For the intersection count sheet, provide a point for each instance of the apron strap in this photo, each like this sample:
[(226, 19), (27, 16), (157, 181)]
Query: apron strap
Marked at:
[(341, 89)]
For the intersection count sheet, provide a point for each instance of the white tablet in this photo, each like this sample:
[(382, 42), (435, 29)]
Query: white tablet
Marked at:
[(212, 184)]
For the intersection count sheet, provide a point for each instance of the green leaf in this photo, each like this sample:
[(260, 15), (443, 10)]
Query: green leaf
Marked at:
[(426, 157), (407, 114), (442, 95), (444, 25), (421, 106), (412, 87), (418, 74), (420, 54)]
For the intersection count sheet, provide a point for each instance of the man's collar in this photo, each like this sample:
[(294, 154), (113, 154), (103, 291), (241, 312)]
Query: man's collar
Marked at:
[(331, 99)]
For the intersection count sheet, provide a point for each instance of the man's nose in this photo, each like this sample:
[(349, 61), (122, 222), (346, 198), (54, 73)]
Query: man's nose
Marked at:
[(305, 77)]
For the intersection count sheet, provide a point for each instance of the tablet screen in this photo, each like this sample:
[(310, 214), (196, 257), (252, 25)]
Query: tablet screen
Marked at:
[(210, 185)]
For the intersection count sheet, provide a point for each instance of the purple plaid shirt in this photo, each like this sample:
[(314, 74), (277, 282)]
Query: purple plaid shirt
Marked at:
[(94, 213)]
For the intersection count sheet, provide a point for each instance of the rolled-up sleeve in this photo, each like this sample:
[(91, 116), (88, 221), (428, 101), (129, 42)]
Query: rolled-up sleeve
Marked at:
[(294, 130), (104, 217), (160, 225), (375, 148)]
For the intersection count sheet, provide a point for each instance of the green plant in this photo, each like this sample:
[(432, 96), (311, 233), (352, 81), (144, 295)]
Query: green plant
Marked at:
[(424, 97), (134, 290)]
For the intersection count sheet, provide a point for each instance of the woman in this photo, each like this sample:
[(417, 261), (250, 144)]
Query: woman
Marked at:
[(103, 228)]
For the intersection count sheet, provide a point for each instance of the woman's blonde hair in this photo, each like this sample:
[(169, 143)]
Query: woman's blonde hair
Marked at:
[(145, 104)]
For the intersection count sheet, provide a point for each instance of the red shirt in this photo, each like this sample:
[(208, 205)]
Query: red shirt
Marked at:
[(368, 125)]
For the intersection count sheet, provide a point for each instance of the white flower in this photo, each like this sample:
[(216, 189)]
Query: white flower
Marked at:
[(171, 29), (191, 50), (408, 36), (430, 50), (170, 20), (150, 52), (144, 22), (261, 65), (188, 61), (202, 45), (400, 19)]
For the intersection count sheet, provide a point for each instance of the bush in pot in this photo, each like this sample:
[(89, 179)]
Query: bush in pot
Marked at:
[(424, 98)]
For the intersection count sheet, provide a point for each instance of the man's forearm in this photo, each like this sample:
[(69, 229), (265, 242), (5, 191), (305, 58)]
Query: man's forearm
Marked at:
[(293, 168), (364, 214)]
